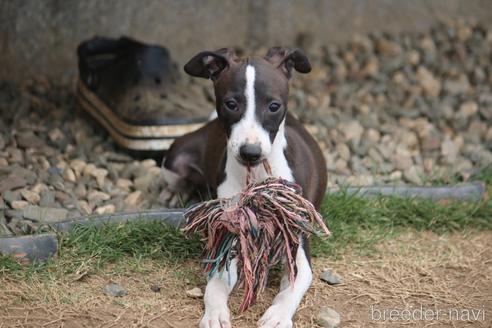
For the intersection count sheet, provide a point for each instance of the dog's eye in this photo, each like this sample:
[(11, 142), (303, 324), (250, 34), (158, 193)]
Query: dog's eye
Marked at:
[(231, 105), (274, 107)]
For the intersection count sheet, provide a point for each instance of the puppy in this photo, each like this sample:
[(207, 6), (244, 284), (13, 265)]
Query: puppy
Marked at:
[(252, 124)]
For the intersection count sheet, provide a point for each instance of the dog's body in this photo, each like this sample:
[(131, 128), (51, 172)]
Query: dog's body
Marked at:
[(252, 125)]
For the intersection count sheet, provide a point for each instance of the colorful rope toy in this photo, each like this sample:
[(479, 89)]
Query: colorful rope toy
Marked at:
[(261, 225)]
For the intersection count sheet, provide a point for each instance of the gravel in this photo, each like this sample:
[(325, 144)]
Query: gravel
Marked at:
[(384, 108)]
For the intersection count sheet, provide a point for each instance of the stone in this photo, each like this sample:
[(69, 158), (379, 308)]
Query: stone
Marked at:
[(31, 196), (100, 175), (89, 169), (449, 150), (11, 182), (18, 204), (429, 83), (115, 290), (395, 175), (413, 175), (155, 288), (430, 142), (25, 173), (402, 161), (10, 196), (328, 318), (3, 162), (69, 175), (148, 163), (373, 135), (194, 293), (29, 140), (44, 214), (468, 108), (84, 207), (352, 130), (343, 151), (124, 184), (341, 166), (47, 198), (330, 277), (133, 198), (78, 166), (56, 135), (388, 48), (106, 209), (457, 86), (80, 190), (96, 196), (144, 183)]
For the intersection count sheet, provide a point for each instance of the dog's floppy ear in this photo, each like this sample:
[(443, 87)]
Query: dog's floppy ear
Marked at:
[(209, 64), (286, 59)]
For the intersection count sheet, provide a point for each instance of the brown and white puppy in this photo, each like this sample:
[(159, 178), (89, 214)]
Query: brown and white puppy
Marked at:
[(252, 124)]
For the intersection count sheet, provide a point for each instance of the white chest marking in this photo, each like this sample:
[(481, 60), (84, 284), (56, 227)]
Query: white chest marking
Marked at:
[(249, 130)]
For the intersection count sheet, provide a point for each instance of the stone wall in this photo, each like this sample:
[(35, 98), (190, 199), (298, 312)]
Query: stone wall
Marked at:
[(39, 37)]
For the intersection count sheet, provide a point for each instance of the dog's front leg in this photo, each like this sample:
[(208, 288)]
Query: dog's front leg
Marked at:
[(284, 306), (217, 292)]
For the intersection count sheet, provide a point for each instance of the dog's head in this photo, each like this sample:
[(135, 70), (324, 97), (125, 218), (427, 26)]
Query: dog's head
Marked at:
[(251, 96)]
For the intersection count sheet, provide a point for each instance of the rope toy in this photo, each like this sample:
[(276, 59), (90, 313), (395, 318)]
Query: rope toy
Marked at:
[(262, 225)]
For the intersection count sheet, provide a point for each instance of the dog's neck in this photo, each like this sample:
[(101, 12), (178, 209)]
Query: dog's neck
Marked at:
[(236, 173)]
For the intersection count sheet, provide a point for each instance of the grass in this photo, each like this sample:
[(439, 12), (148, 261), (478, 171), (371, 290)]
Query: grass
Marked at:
[(356, 223)]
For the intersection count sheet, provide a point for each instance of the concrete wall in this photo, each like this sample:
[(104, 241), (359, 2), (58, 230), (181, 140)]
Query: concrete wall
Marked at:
[(40, 36)]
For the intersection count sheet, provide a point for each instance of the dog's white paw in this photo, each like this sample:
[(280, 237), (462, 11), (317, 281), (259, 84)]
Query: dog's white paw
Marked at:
[(216, 318), (276, 317)]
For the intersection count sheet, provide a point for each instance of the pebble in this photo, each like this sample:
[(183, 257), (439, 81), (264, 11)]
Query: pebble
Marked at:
[(69, 175), (343, 151), (18, 204), (106, 209), (468, 108), (115, 290), (133, 198), (413, 175), (80, 190), (56, 135), (352, 130), (31, 196), (78, 166), (194, 293), (429, 83), (328, 318), (96, 196), (155, 288), (11, 182), (47, 198), (44, 214), (124, 184), (11, 196), (330, 277), (84, 206), (148, 163)]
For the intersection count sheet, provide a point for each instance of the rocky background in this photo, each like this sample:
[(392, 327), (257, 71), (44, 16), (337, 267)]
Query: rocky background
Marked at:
[(411, 108)]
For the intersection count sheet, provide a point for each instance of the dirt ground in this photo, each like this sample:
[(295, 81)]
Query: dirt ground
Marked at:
[(417, 272)]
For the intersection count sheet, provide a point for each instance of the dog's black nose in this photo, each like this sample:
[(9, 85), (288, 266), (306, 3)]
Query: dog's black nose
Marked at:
[(250, 152)]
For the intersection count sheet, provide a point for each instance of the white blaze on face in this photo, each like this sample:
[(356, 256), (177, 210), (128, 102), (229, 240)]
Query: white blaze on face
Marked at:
[(248, 130)]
